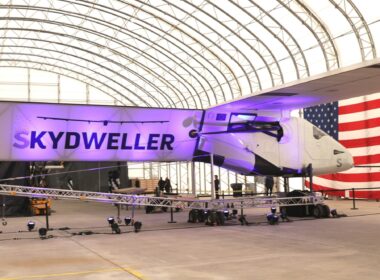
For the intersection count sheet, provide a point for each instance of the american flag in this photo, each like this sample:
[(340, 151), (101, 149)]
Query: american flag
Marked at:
[(355, 123)]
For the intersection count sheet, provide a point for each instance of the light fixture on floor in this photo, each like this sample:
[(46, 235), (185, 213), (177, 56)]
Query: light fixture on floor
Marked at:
[(226, 213), (284, 215), (31, 225), (42, 232), (127, 220), (115, 228), (137, 226), (111, 220), (334, 213)]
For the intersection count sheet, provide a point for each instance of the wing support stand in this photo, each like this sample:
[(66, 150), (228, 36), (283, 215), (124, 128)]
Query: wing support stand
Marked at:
[(309, 171)]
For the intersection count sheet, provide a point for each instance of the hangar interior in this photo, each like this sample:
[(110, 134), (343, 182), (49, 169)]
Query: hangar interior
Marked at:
[(191, 54)]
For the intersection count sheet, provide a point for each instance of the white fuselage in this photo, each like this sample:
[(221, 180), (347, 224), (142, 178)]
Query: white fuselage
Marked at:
[(258, 153)]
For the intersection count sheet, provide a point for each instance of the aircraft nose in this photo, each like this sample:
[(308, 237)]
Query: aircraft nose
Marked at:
[(349, 162), (345, 157)]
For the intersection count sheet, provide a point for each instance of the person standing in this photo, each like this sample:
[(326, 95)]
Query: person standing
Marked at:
[(168, 185), (216, 186), (161, 185), (269, 182)]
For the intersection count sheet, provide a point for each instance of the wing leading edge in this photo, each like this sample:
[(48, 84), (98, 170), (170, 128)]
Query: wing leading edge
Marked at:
[(356, 80)]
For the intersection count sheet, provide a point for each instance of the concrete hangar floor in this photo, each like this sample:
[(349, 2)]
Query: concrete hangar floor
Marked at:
[(333, 248)]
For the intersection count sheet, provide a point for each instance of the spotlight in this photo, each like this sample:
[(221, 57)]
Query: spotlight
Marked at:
[(334, 213), (105, 123), (137, 226), (272, 219), (31, 225), (111, 220), (42, 232), (273, 210), (284, 215), (115, 228), (127, 220), (226, 213)]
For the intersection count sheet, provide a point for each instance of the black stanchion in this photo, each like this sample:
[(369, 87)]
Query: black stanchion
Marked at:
[(171, 214), (47, 215), (353, 200)]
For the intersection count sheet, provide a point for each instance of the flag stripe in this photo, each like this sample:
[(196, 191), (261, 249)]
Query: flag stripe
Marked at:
[(345, 185), (359, 116), (367, 159), (363, 124), (361, 151), (359, 99), (361, 142), (358, 107), (357, 134), (367, 194), (358, 177)]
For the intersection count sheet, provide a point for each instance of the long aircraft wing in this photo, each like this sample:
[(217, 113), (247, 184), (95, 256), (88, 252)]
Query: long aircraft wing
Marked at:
[(356, 80)]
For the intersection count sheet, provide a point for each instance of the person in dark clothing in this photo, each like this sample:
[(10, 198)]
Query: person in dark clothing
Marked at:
[(161, 184), (168, 185), (269, 182), (137, 183), (216, 186)]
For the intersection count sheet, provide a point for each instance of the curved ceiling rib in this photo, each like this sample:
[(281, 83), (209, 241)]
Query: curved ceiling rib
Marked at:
[(61, 70), (315, 26), (271, 62), (359, 25), (95, 32), (283, 35), (183, 54), (79, 59)]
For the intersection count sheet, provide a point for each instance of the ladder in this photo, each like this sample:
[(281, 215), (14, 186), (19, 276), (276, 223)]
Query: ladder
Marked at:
[(169, 202)]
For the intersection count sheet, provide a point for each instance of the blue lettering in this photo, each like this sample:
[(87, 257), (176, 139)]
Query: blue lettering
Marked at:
[(24, 141), (124, 142), (167, 140), (34, 139), (137, 142), (112, 140), (68, 144), (93, 139), (153, 141), (55, 139)]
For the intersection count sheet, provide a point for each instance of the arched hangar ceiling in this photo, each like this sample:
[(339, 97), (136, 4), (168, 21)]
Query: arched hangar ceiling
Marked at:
[(190, 53)]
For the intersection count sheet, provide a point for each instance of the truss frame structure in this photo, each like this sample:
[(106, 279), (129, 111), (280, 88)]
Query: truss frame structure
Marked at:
[(169, 202)]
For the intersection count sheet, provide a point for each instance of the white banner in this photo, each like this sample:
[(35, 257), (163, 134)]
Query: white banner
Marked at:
[(42, 132)]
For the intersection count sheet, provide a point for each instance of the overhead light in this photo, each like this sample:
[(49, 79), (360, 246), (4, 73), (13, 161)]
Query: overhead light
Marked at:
[(42, 232), (31, 225), (127, 220), (137, 226), (111, 220)]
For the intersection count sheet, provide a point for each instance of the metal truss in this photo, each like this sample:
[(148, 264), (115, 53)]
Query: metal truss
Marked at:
[(171, 54), (359, 25), (304, 14), (140, 200)]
